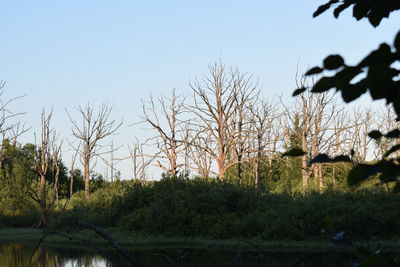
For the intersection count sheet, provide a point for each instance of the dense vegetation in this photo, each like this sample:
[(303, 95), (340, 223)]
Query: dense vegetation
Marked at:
[(222, 210), (219, 209), (277, 209)]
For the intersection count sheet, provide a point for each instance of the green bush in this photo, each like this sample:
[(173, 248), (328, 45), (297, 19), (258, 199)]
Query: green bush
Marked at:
[(217, 209), (222, 210), (27, 216)]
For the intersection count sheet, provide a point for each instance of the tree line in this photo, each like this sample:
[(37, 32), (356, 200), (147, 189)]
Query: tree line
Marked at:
[(226, 130)]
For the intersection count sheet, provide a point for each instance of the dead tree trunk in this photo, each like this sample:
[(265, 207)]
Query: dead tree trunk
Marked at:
[(56, 160), (71, 171), (140, 162), (262, 117), (86, 173), (42, 158), (169, 128), (244, 99), (93, 129), (215, 106)]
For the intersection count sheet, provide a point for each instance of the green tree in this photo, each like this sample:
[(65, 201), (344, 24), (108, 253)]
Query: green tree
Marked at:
[(78, 183), (16, 175), (63, 178), (290, 167)]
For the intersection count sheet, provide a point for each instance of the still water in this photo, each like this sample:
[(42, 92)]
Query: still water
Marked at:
[(18, 255)]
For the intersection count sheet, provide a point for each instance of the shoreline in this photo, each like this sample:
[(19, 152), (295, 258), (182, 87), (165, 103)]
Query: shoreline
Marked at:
[(141, 242)]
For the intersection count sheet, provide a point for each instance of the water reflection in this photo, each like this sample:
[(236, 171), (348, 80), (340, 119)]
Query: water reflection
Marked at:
[(16, 255)]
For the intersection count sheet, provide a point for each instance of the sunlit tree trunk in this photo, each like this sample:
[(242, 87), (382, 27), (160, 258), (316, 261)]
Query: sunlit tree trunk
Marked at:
[(93, 129)]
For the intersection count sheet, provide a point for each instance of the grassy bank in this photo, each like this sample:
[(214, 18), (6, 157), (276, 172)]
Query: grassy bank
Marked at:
[(140, 242)]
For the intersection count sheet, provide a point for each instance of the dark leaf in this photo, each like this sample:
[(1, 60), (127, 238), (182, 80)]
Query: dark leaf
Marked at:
[(375, 20), (374, 10), (361, 9), (351, 92), (324, 158), (344, 76), (315, 70), (299, 91), (340, 8), (324, 84), (376, 56), (375, 134), (392, 150), (341, 158), (333, 62), (361, 172), (393, 134), (321, 9), (390, 173), (377, 91), (397, 41), (396, 105), (294, 152), (380, 82), (321, 158)]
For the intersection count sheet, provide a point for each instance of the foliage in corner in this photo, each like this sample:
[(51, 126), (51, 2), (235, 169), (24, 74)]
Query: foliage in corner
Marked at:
[(377, 73), (373, 10)]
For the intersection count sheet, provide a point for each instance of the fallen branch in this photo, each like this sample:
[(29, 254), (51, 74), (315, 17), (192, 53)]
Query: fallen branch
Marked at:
[(100, 251), (121, 250)]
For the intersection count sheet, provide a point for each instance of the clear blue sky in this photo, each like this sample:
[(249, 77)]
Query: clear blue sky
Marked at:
[(65, 53)]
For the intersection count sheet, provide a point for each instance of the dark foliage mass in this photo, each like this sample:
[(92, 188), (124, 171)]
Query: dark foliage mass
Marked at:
[(373, 10), (140, 202), (220, 210)]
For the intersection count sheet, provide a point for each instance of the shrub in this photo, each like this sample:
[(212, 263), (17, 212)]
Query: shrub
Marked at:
[(217, 209)]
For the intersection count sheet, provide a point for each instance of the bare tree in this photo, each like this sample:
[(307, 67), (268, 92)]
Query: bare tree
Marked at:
[(264, 134), (360, 142), (18, 130), (111, 161), (385, 122), (169, 130), (140, 162), (72, 169), (245, 97), (56, 162), (302, 107), (8, 128), (93, 128), (201, 159), (187, 140), (216, 100), (6, 115), (43, 159), (341, 137), (317, 113), (323, 110)]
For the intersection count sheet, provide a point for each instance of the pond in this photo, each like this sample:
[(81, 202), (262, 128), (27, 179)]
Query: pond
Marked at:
[(21, 255)]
